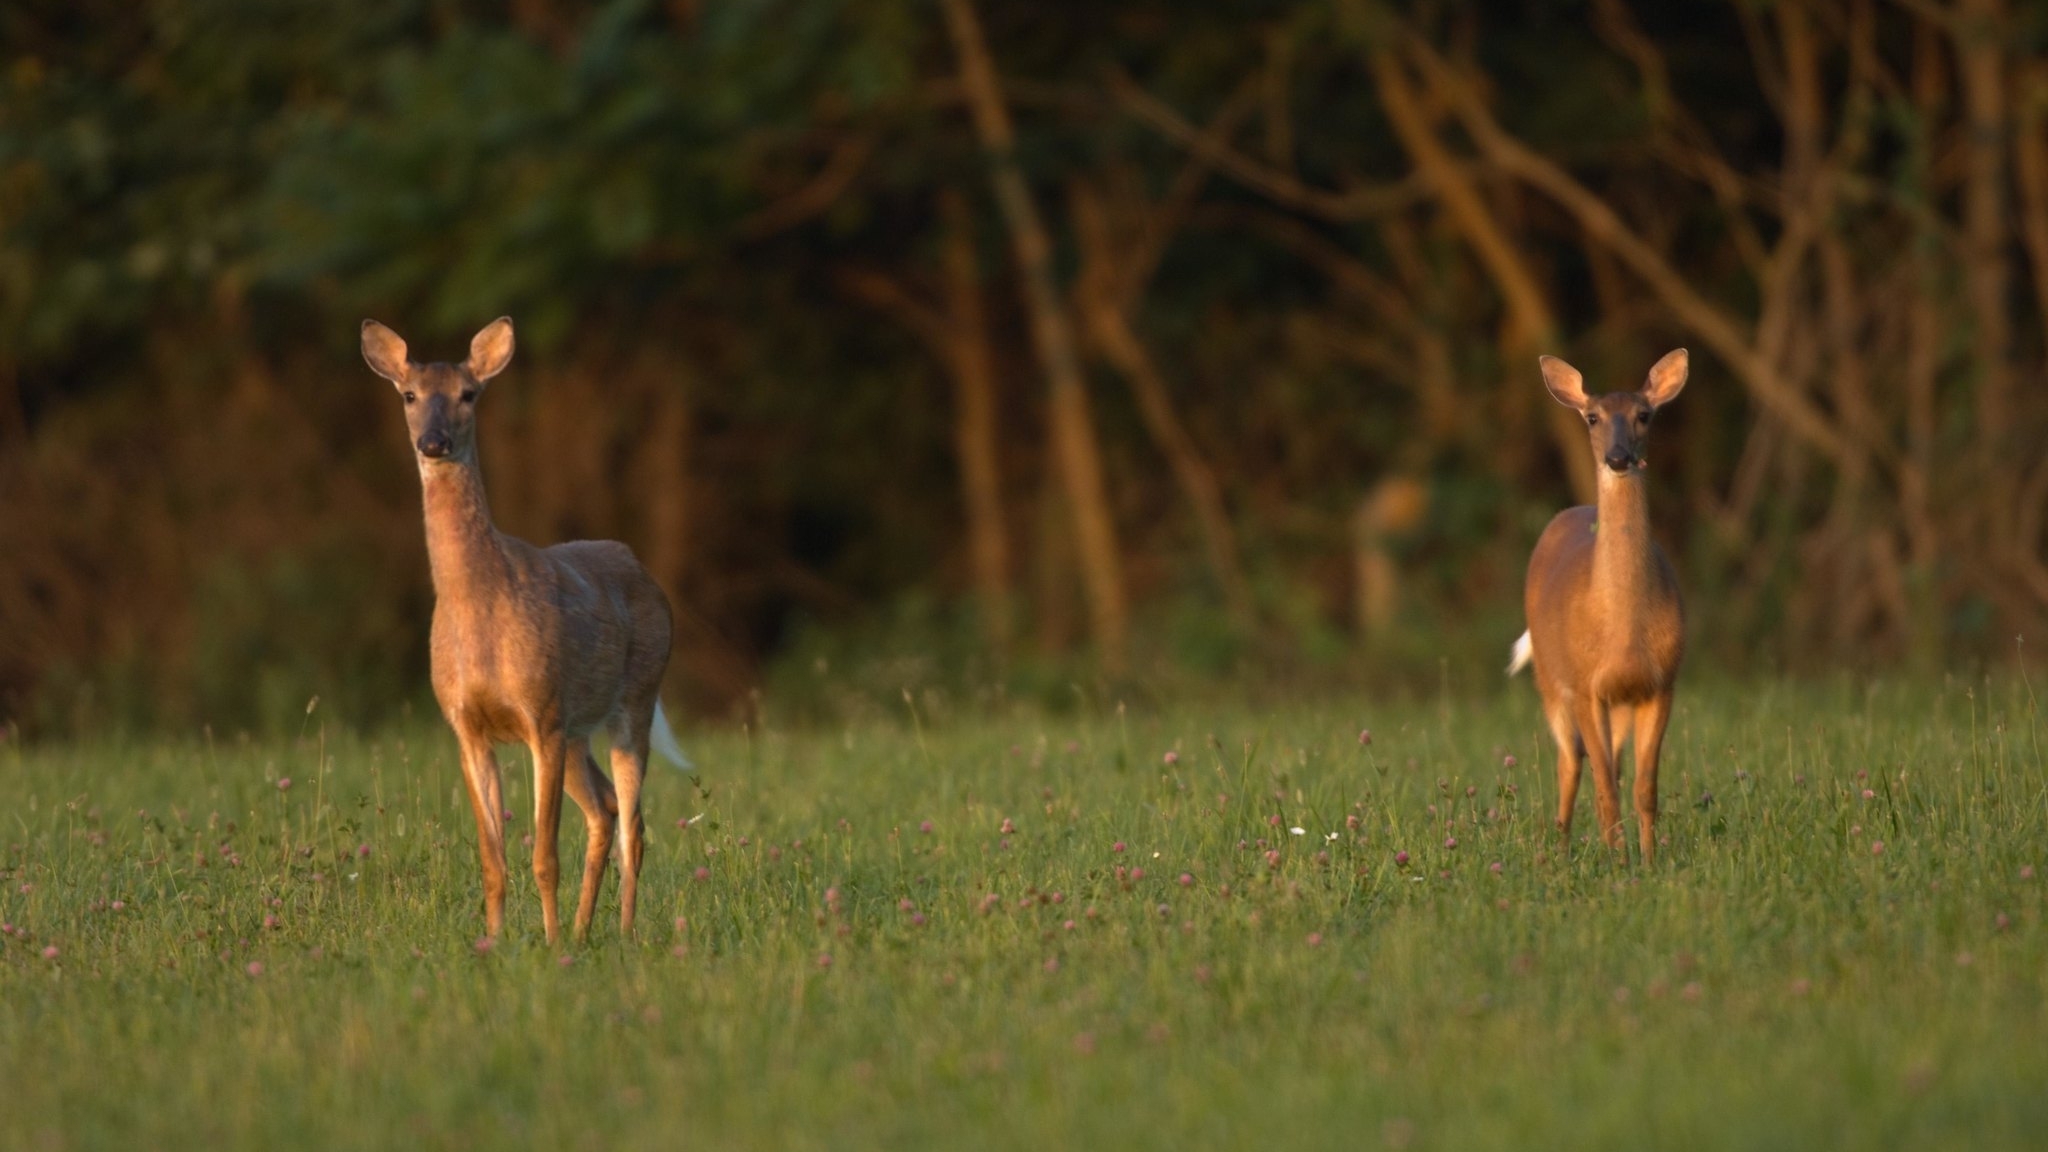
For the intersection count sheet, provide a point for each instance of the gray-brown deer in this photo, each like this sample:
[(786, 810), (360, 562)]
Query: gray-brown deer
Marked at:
[(535, 646), (1606, 627)]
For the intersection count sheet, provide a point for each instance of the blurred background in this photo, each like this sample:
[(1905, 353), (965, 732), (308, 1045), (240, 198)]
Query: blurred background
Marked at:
[(1009, 347)]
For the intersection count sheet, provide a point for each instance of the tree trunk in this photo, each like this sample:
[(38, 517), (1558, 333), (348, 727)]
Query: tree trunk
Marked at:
[(1073, 426), (1980, 67), (1980, 59), (1097, 300), (974, 425), (666, 489), (955, 332), (2030, 144)]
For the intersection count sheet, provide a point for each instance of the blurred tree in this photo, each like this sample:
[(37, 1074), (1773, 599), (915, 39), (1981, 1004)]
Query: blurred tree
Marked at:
[(1315, 246)]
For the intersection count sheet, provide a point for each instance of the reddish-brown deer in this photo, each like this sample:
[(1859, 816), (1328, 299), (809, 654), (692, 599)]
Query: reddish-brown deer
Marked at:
[(1606, 627), (537, 646)]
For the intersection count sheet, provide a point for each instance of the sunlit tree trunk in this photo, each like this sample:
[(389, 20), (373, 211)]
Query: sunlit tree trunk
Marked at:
[(1102, 312), (664, 491), (956, 334), (1073, 427), (1980, 28), (974, 424)]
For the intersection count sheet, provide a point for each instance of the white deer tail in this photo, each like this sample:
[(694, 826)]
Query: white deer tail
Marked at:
[(664, 741), (1519, 658)]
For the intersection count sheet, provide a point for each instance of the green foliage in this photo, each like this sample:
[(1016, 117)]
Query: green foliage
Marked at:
[(1843, 945), (481, 173)]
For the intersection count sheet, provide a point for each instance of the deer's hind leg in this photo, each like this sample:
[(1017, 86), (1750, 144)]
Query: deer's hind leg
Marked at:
[(1620, 723), (1569, 751), (629, 766), (592, 792)]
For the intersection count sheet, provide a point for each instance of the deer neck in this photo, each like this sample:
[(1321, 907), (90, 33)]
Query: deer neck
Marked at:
[(463, 548), (1623, 561)]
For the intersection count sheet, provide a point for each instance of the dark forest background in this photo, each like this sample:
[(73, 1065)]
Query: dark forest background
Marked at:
[(1009, 345)]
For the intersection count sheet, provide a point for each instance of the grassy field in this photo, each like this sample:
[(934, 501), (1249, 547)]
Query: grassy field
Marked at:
[(1088, 931)]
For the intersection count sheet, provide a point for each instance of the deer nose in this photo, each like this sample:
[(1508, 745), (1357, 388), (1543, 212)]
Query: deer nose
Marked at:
[(1619, 458), (434, 445)]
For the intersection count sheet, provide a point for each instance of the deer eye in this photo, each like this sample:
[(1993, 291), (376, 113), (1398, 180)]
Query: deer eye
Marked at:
[(411, 396), (1592, 420), (468, 395), (1643, 418)]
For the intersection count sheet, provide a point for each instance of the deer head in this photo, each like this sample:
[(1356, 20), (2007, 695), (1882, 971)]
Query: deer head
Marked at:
[(1618, 423), (440, 399)]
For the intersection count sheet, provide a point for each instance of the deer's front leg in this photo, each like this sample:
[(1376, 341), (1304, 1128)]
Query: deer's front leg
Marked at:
[(480, 775), (550, 757), (1593, 728)]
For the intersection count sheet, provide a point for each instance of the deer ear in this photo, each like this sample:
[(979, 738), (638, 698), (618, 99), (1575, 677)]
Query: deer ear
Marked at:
[(1667, 377), (491, 349), (385, 353), (1566, 386)]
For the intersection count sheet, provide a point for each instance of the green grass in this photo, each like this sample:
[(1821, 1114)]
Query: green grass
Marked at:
[(1772, 982)]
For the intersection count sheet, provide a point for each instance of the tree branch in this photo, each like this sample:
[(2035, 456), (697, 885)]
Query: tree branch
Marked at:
[(815, 197), (1721, 332), (1281, 188)]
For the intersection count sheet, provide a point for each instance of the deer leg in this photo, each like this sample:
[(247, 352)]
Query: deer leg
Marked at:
[(1620, 722), (629, 768), (593, 794), (550, 758), (1600, 758), (480, 774), (1567, 736), (1650, 721)]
